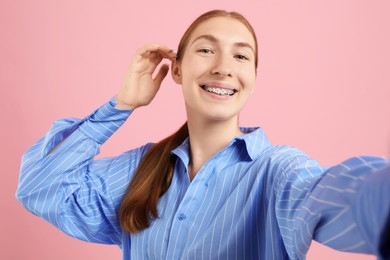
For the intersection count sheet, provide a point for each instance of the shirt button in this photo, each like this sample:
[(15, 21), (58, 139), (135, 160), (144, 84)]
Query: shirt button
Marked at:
[(181, 216)]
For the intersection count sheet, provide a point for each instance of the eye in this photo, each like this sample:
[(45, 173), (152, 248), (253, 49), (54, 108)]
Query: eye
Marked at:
[(241, 57), (205, 51)]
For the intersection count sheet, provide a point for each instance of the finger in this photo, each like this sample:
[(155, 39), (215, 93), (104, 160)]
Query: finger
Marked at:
[(159, 49), (162, 54), (165, 52), (161, 74), (171, 55), (154, 59), (145, 51), (148, 47)]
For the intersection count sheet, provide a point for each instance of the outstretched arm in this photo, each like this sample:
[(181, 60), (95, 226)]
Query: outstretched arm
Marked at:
[(344, 207)]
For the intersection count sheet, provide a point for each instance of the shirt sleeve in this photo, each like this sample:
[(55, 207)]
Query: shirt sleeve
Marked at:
[(70, 189), (345, 207)]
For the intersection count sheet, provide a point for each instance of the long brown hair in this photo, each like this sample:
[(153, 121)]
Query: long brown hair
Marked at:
[(154, 173)]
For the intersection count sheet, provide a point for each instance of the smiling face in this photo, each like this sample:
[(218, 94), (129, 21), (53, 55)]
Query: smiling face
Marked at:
[(217, 71)]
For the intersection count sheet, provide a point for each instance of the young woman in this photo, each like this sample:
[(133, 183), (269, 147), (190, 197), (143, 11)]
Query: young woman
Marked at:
[(212, 190)]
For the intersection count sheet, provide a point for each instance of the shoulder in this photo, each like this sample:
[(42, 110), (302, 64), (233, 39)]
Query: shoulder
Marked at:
[(281, 163), (284, 156), (118, 171)]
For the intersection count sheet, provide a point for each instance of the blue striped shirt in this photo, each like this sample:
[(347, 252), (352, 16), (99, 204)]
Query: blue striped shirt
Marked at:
[(251, 200)]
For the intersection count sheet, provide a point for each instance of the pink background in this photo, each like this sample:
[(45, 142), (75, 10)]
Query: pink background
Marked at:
[(323, 86)]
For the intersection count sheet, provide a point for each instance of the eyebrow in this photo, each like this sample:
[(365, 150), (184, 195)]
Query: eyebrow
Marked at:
[(212, 38)]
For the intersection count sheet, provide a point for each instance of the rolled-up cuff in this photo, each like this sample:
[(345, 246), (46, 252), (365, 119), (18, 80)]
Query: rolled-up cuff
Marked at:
[(102, 123)]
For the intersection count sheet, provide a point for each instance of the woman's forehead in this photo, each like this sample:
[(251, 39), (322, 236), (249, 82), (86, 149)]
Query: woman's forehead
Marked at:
[(224, 29)]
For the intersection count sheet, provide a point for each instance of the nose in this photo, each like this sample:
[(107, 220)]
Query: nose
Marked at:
[(222, 66)]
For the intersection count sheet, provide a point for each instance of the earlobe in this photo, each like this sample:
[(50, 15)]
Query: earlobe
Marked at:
[(175, 71)]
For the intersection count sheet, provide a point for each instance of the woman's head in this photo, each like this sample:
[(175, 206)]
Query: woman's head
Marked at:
[(216, 65)]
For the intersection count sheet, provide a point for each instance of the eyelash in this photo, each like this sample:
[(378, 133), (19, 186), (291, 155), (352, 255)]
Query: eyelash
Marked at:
[(238, 56), (205, 51), (242, 57)]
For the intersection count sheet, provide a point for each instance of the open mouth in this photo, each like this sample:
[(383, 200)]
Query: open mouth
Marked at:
[(219, 91)]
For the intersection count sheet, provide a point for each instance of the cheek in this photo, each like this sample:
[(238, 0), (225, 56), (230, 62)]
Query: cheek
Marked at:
[(248, 77), (195, 65), (191, 70)]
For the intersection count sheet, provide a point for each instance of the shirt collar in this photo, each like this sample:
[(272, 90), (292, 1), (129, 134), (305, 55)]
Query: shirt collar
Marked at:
[(253, 138), (255, 141)]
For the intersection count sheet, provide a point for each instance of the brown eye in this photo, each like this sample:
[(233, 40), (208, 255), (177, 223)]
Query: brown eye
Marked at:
[(242, 57), (205, 51)]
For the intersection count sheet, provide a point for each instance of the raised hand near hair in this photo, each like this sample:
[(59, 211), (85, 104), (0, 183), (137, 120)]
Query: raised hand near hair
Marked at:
[(139, 87)]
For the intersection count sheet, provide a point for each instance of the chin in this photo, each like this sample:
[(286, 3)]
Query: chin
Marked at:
[(221, 116), (213, 113)]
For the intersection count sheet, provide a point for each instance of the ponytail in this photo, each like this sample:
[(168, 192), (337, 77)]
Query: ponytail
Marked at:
[(151, 180)]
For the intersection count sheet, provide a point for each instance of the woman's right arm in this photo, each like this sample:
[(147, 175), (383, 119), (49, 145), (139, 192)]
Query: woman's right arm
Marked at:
[(60, 181), (66, 186)]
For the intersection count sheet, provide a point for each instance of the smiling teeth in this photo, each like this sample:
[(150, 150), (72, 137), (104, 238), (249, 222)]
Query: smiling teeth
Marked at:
[(220, 91)]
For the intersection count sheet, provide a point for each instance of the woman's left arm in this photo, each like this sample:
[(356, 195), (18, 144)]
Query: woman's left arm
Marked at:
[(345, 207)]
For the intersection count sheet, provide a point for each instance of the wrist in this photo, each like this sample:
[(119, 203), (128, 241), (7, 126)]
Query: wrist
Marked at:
[(123, 106)]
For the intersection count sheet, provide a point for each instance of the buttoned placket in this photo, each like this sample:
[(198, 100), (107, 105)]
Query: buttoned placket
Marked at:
[(190, 202)]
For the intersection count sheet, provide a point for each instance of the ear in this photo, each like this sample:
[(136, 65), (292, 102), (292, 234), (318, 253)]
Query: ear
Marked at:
[(175, 72)]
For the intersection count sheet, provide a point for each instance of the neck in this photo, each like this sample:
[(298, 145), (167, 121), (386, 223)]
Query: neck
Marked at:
[(207, 138)]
